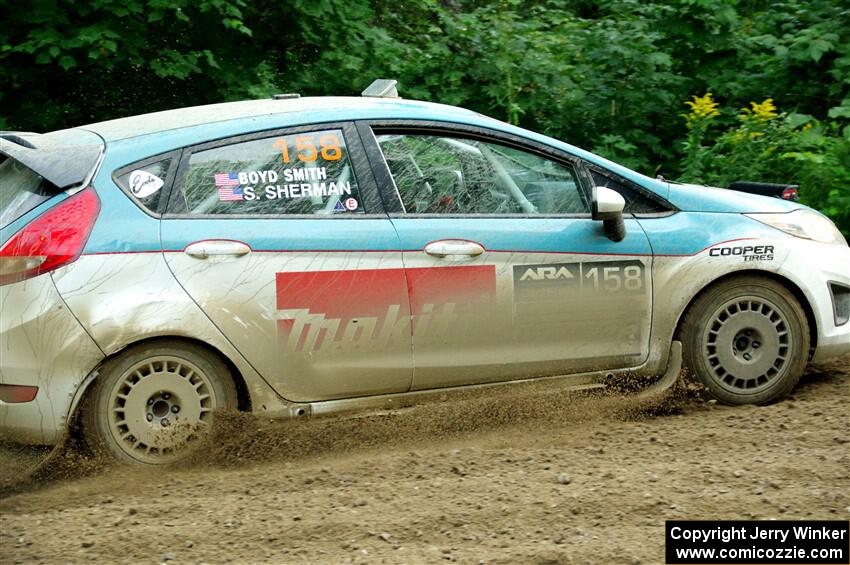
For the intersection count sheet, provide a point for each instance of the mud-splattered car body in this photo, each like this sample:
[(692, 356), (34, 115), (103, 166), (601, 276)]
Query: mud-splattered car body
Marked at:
[(377, 286)]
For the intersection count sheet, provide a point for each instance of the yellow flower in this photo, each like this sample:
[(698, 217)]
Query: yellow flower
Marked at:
[(742, 135), (763, 112), (702, 108)]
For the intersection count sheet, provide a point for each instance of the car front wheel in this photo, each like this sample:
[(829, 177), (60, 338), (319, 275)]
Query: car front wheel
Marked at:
[(152, 403), (746, 340)]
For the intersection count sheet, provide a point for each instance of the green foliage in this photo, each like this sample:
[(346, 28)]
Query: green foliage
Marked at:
[(772, 147), (607, 75), (64, 63)]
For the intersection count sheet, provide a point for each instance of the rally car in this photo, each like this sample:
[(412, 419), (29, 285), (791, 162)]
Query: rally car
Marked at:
[(298, 256)]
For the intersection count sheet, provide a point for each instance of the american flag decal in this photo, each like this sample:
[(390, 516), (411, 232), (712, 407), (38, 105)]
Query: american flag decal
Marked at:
[(228, 194), (226, 179)]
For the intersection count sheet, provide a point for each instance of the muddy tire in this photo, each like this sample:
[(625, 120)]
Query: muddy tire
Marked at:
[(151, 403), (746, 340)]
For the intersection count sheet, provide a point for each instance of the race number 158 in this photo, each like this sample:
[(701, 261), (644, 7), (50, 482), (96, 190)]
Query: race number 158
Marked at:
[(613, 276), (308, 148)]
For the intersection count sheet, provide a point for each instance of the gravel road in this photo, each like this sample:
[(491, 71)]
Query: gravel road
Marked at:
[(503, 477)]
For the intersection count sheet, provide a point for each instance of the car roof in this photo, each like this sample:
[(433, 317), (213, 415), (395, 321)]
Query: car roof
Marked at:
[(354, 107), (160, 132)]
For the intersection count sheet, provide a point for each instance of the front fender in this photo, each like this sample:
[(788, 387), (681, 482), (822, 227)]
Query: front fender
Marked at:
[(693, 250)]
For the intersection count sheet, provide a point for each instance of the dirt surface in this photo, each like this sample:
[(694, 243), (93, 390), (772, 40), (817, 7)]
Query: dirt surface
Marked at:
[(502, 477)]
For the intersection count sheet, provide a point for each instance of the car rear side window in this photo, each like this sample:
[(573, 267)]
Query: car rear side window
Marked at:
[(301, 173), (447, 175), (146, 183), (21, 190)]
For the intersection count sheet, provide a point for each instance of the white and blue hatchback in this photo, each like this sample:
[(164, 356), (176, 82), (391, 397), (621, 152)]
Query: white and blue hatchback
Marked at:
[(308, 255)]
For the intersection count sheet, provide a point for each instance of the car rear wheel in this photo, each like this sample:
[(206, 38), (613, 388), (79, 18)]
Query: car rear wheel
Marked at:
[(746, 340), (152, 403)]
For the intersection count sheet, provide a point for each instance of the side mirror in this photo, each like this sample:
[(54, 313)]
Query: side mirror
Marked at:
[(608, 207)]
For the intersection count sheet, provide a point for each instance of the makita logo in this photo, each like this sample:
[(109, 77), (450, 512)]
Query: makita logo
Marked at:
[(359, 310), (300, 330), (546, 273)]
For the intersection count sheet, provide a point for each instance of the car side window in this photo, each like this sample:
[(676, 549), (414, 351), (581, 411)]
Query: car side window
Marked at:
[(636, 202), (301, 173), (146, 183), (437, 174)]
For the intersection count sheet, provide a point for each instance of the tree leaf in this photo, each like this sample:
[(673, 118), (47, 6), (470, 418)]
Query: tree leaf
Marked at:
[(796, 120), (67, 62), (839, 111), (817, 48)]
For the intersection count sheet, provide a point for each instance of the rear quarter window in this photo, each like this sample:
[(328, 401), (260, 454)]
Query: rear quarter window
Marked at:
[(147, 181)]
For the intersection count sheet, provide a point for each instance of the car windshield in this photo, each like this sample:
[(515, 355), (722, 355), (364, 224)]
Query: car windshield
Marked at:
[(21, 190)]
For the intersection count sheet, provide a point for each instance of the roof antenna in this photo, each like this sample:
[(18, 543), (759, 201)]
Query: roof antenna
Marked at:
[(382, 88)]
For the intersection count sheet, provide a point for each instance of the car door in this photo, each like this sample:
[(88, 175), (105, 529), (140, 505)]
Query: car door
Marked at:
[(508, 275), (281, 239)]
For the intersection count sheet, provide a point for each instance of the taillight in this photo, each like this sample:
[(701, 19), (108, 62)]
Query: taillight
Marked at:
[(54, 239), (790, 194)]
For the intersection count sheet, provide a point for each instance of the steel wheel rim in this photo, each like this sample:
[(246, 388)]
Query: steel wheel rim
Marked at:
[(747, 345), (159, 406)]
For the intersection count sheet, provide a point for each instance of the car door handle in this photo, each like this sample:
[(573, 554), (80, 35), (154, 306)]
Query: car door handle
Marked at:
[(449, 247), (217, 248)]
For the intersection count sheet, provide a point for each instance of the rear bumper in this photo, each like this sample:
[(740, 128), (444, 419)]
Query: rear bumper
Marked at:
[(43, 345)]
